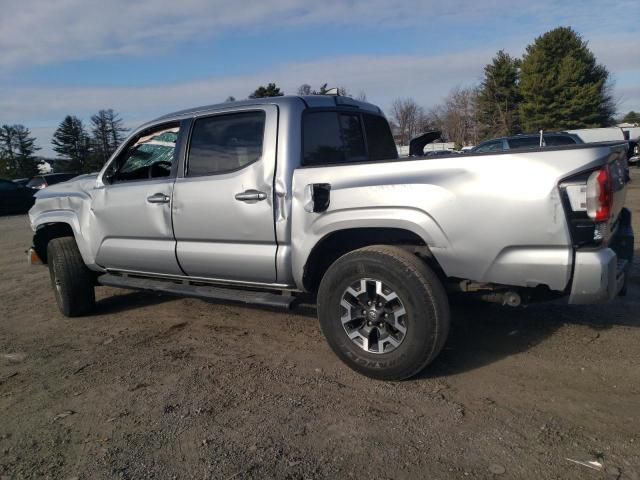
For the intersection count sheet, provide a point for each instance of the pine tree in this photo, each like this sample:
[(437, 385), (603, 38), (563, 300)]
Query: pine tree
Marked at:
[(562, 85), (107, 133), (17, 150), (631, 117), (269, 91), (27, 161), (70, 141), (499, 97)]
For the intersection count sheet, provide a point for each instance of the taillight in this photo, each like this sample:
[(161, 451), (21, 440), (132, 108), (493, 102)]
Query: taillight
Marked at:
[(599, 195)]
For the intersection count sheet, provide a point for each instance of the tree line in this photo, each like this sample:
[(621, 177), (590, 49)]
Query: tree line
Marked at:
[(83, 150), (556, 85), (87, 150)]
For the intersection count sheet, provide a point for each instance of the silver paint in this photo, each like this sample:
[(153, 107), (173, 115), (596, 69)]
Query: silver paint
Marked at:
[(492, 218)]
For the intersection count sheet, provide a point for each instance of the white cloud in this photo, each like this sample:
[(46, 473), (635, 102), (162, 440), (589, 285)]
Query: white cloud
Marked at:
[(427, 79), (35, 32)]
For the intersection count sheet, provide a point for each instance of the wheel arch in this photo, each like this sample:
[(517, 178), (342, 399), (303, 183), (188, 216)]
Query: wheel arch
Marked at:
[(339, 242), (47, 232)]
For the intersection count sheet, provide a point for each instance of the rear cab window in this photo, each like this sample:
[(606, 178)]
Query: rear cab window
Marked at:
[(335, 137)]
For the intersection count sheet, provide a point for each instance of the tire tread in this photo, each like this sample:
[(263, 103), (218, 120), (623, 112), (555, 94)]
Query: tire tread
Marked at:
[(77, 297)]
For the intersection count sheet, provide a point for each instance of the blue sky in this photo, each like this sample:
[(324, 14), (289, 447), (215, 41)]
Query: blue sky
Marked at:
[(150, 57)]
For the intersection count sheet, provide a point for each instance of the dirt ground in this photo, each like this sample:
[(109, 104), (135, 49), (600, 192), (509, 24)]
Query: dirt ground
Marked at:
[(160, 387)]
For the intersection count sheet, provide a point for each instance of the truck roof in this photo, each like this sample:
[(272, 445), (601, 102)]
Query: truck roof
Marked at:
[(311, 101)]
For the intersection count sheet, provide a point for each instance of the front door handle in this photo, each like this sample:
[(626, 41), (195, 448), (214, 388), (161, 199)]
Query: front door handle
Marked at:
[(158, 198), (251, 196)]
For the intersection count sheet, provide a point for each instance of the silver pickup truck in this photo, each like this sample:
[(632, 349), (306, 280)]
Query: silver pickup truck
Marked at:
[(289, 199)]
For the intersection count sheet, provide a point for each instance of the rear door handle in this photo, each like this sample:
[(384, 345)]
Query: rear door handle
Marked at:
[(158, 198), (251, 196)]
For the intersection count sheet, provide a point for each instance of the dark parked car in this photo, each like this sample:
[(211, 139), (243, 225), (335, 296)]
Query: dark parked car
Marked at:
[(518, 142), (439, 153), (42, 181), (15, 198), (21, 181)]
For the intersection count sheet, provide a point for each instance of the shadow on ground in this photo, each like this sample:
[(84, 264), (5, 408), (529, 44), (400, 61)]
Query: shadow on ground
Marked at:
[(485, 333)]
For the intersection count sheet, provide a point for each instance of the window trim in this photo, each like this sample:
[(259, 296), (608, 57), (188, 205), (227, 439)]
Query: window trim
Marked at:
[(185, 167), (338, 111)]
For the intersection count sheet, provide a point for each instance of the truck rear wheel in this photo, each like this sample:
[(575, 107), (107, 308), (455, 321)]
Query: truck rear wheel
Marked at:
[(72, 281), (383, 311)]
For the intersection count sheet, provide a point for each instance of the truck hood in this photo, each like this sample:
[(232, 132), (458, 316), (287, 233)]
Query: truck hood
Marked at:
[(81, 183)]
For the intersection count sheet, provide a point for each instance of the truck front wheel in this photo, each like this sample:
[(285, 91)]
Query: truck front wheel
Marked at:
[(383, 311), (71, 280)]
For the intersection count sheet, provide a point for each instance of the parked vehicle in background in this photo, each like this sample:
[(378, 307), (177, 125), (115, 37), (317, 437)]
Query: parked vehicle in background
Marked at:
[(518, 142), (42, 181), (634, 152), (440, 153), (275, 200), (603, 134), (21, 181), (15, 198)]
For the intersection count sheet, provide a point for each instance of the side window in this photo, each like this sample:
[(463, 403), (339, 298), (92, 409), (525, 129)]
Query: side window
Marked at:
[(149, 156), (524, 142), (379, 138), (224, 143), (7, 186), (493, 146), (37, 183), (557, 140)]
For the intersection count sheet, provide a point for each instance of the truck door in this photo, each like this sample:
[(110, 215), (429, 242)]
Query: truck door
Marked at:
[(223, 215), (131, 213)]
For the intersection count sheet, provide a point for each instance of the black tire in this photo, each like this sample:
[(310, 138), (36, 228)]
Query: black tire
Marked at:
[(71, 280), (422, 296)]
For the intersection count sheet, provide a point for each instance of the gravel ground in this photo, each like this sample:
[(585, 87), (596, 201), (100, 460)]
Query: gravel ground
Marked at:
[(159, 387)]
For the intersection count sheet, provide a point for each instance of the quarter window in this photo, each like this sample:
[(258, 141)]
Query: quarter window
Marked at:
[(224, 143)]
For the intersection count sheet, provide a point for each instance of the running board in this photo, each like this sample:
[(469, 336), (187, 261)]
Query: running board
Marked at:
[(198, 291)]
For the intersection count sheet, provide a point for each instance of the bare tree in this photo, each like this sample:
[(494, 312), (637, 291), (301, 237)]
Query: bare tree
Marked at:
[(304, 89), (407, 115), (456, 117)]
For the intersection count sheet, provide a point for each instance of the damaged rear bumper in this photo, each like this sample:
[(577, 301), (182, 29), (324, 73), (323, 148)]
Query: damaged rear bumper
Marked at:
[(600, 275)]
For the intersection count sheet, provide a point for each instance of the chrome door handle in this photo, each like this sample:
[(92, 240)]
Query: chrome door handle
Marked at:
[(251, 196), (158, 198)]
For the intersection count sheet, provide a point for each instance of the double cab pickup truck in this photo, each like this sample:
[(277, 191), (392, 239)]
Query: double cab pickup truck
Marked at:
[(280, 200)]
